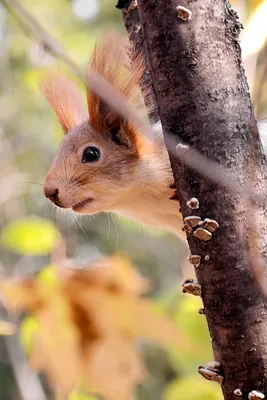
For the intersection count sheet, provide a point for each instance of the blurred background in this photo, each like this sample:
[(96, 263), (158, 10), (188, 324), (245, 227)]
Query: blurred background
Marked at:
[(29, 226)]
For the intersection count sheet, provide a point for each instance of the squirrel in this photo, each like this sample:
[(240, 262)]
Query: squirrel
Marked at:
[(103, 162)]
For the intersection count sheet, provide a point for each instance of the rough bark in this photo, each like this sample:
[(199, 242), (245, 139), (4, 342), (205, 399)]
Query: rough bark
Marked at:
[(204, 101)]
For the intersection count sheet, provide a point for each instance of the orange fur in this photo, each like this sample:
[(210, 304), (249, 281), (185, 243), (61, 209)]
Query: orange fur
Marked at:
[(131, 177), (110, 60), (63, 95)]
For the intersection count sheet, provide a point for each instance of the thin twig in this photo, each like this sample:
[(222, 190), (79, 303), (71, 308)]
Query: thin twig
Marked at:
[(93, 80), (213, 171)]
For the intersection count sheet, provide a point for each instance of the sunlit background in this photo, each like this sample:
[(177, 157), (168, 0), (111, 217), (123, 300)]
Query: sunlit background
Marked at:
[(29, 136)]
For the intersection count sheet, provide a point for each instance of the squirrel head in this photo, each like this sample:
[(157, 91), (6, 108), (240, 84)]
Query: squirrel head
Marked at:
[(101, 156)]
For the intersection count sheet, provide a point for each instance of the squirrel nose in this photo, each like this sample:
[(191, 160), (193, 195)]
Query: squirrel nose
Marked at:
[(52, 192)]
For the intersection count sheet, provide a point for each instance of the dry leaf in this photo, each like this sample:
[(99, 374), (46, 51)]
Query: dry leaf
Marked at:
[(20, 295), (114, 368), (115, 271), (88, 323), (56, 351), (119, 272), (133, 316)]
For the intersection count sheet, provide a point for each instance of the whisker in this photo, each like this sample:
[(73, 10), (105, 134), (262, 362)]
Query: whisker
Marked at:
[(76, 226), (89, 240), (68, 222), (35, 200), (72, 176), (108, 225), (59, 222), (57, 176), (51, 208), (33, 183), (46, 204), (116, 227), (38, 196)]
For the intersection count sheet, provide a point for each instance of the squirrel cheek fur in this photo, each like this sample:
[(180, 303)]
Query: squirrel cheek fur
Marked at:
[(131, 175)]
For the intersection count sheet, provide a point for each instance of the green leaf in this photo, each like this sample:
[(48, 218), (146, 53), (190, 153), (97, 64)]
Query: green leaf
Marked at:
[(193, 326), (194, 388), (31, 236), (79, 395)]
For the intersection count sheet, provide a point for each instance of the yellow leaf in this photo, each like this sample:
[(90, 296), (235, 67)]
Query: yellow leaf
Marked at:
[(87, 325), (118, 271), (20, 295), (113, 368), (31, 235), (48, 275), (55, 351), (28, 329), (132, 316)]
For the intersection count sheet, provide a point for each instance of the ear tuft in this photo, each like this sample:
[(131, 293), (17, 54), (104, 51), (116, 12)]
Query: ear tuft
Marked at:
[(111, 61), (63, 95)]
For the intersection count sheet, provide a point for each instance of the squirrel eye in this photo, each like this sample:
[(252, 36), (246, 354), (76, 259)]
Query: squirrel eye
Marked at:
[(90, 154)]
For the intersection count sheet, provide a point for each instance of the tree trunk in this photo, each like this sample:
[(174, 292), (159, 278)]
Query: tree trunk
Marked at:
[(204, 101)]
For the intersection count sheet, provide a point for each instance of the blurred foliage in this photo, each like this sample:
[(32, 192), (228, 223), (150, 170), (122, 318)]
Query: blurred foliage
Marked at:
[(29, 136), (192, 387), (88, 320), (33, 236), (189, 321), (78, 395), (28, 328)]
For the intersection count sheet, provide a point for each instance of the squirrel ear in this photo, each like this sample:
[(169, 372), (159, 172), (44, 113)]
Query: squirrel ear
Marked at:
[(110, 60), (124, 135), (63, 95)]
